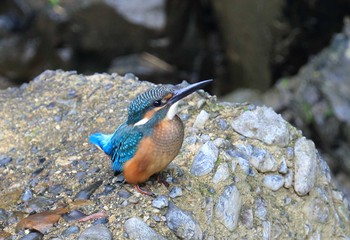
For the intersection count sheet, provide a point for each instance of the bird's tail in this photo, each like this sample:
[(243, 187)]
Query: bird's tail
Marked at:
[(102, 141)]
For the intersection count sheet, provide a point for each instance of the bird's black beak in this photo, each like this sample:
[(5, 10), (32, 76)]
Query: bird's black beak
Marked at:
[(183, 92)]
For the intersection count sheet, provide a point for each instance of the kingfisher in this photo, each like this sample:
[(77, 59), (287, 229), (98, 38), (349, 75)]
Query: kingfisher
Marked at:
[(151, 137)]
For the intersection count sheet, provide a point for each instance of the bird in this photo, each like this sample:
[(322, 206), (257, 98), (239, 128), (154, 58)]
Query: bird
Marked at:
[(151, 136)]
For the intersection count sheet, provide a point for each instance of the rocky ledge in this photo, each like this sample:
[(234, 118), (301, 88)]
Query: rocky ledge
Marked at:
[(243, 172)]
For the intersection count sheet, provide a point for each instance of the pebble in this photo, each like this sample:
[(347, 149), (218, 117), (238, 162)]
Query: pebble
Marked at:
[(204, 161), (209, 209), (175, 192), (243, 161), (305, 166), (71, 230), (288, 179), (182, 223), (86, 193), (201, 119), (160, 202), (222, 124), (138, 229), (27, 194), (283, 167), (273, 181), (262, 160), (3, 216), (222, 173), (73, 215), (266, 234), (4, 160), (96, 232), (38, 204), (264, 124), (124, 194), (33, 236), (228, 207), (102, 220), (260, 208), (247, 217)]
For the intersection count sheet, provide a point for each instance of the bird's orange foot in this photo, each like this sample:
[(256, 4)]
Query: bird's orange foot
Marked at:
[(142, 191)]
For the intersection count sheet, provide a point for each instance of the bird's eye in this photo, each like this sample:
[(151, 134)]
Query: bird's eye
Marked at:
[(157, 103)]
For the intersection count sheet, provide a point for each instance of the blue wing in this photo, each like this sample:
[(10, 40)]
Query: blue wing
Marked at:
[(125, 144), (120, 146)]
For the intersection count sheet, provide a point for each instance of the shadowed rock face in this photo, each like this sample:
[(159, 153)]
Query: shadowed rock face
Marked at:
[(256, 186)]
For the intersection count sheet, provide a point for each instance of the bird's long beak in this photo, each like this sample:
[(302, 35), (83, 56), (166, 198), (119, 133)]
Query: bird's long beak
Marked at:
[(183, 92)]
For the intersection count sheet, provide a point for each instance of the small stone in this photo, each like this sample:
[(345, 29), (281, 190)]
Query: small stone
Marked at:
[(102, 220), (266, 235), (243, 161), (86, 193), (305, 166), (160, 202), (33, 236), (204, 161), (175, 192), (288, 179), (124, 194), (138, 229), (71, 230), (247, 217), (219, 142), (273, 182), (260, 208), (263, 161), (27, 194), (73, 215), (38, 204), (228, 207), (222, 173), (264, 124), (222, 124), (205, 138), (201, 119), (96, 232), (4, 160), (182, 223), (283, 167)]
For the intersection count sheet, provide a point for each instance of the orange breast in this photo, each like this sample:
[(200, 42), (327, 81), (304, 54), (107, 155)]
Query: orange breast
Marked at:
[(155, 152)]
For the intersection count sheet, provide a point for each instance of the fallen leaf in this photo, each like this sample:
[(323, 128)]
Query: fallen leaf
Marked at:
[(41, 221)]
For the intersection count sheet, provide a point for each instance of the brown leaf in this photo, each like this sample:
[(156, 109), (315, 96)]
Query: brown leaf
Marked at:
[(41, 221)]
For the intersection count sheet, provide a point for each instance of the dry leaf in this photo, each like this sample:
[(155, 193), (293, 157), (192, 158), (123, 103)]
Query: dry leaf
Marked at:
[(41, 221)]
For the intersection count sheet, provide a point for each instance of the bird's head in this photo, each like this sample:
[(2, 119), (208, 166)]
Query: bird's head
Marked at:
[(158, 103)]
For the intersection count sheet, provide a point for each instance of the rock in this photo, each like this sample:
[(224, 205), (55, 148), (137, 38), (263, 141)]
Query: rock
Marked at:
[(273, 182), (160, 202), (228, 207), (263, 161), (305, 166), (222, 173), (27, 119), (182, 223), (4, 160), (201, 119), (88, 191), (242, 157), (205, 160), (71, 230), (138, 229), (33, 236), (263, 124), (96, 232), (175, 192)]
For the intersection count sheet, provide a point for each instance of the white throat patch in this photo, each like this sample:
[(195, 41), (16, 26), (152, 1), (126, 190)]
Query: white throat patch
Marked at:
[(141, 122), (172, 111)]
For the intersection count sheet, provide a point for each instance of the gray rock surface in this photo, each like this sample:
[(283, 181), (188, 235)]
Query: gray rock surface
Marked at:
[(44, 129), (228, 207), (204, 161), (96, 232), (138, 229), (182, 223), (264, 124), (305, 166)]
